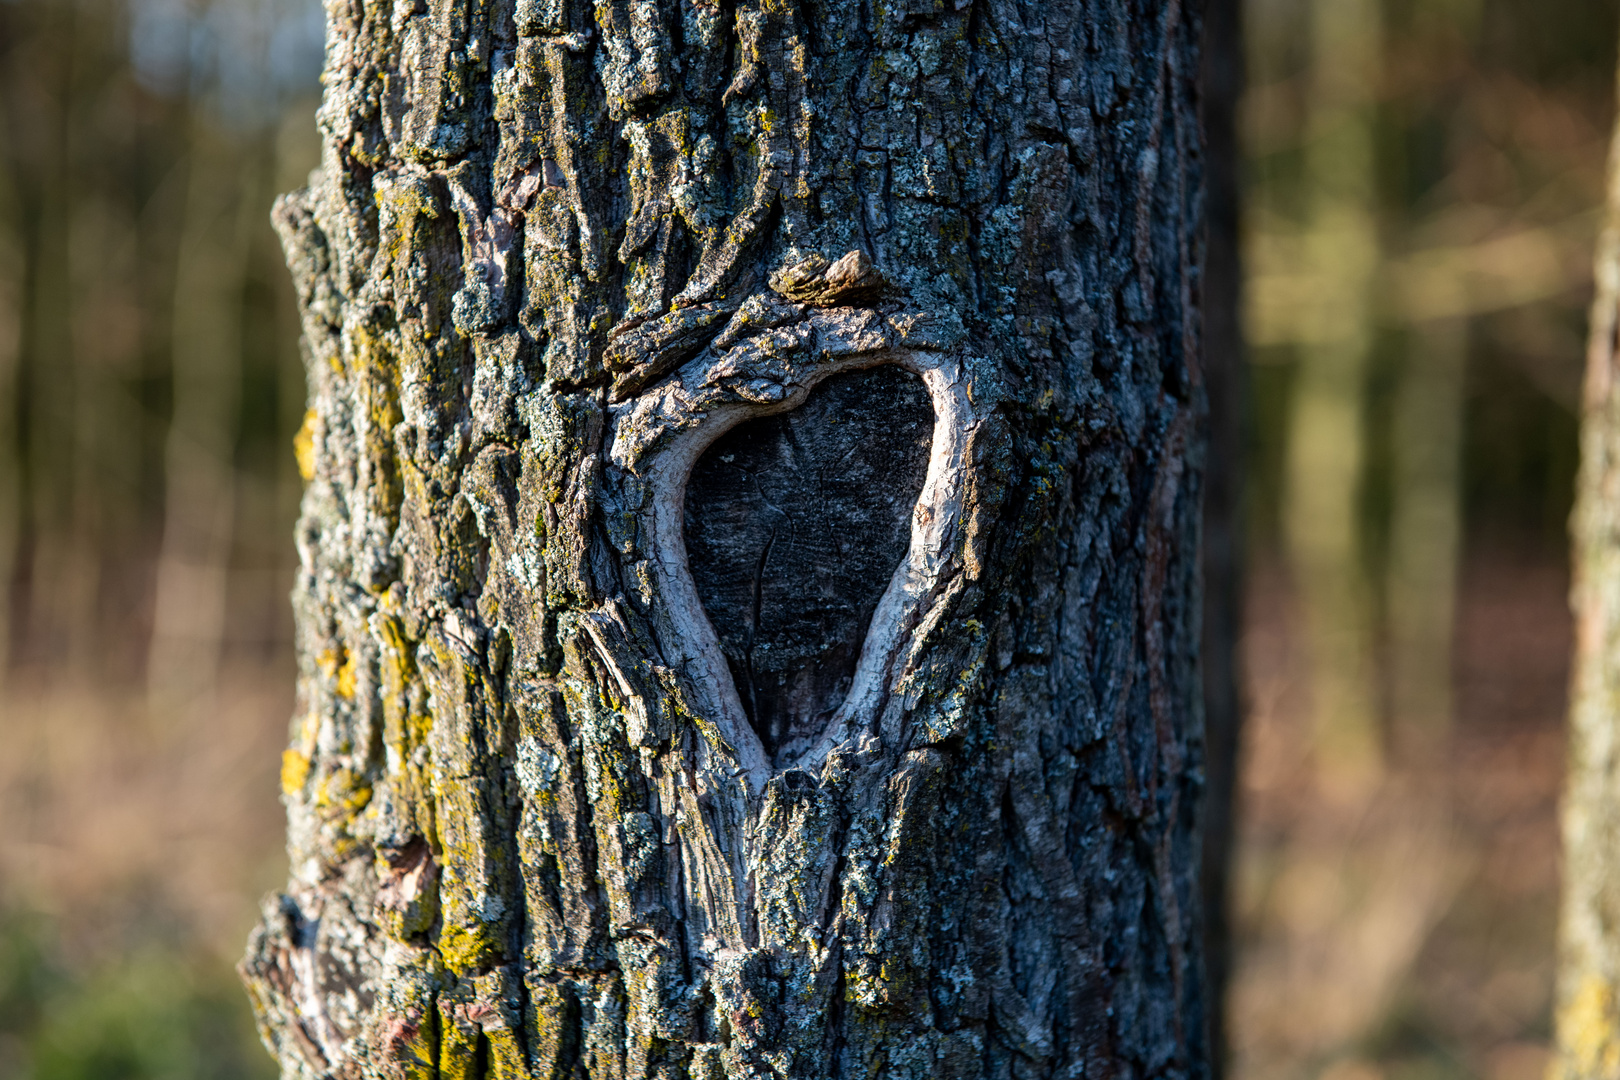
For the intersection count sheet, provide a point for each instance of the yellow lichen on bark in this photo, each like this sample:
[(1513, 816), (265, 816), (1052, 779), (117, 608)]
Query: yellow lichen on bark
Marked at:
[(304, 447)]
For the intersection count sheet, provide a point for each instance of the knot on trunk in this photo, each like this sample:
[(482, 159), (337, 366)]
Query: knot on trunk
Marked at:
[(852, 280), (795, 525)]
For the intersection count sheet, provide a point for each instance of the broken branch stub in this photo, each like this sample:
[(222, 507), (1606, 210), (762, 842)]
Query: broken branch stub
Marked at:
[(851, 280)]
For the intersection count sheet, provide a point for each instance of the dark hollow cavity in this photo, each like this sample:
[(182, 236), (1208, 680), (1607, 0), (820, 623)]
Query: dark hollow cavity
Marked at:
[(795, 525)]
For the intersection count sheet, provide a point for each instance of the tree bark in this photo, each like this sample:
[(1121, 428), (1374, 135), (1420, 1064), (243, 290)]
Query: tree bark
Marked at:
[(1587, 1008), (749, 605)]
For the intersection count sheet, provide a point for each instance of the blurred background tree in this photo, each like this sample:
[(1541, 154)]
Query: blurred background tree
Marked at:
[(1423, 185), (1587, 1014)]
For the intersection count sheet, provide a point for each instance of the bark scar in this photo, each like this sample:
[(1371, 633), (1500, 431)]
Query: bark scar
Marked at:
[(658, 438)]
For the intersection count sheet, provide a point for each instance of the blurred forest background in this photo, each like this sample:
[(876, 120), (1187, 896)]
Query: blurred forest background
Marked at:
[(1422, 183), (1422, 187), (149, 390)]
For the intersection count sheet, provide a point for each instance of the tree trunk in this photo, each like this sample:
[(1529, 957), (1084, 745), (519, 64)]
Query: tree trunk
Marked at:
[(1587, 1010), (1224, 364), (749, 604), (1326, 427)]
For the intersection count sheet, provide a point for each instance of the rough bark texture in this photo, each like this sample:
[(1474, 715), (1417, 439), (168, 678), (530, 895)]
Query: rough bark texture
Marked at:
[(600, 773), (1587, 1012)]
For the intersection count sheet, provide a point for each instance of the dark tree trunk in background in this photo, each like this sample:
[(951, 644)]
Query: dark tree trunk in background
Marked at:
[(1587, 1011), (749, 609), (1223, 554)]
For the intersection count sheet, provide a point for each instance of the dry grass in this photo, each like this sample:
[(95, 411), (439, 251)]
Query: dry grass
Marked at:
[(107, 806), (135, 849), (1403, 927)]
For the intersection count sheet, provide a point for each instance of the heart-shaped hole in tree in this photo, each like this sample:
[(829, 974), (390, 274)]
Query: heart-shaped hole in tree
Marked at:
[(795, 524)]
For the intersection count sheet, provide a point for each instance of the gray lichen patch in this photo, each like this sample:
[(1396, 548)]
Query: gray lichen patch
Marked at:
[(795, 525)]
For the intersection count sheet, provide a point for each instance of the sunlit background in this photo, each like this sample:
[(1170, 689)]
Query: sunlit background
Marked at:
[(1423, 184), (149, 389), (1423, 180)]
